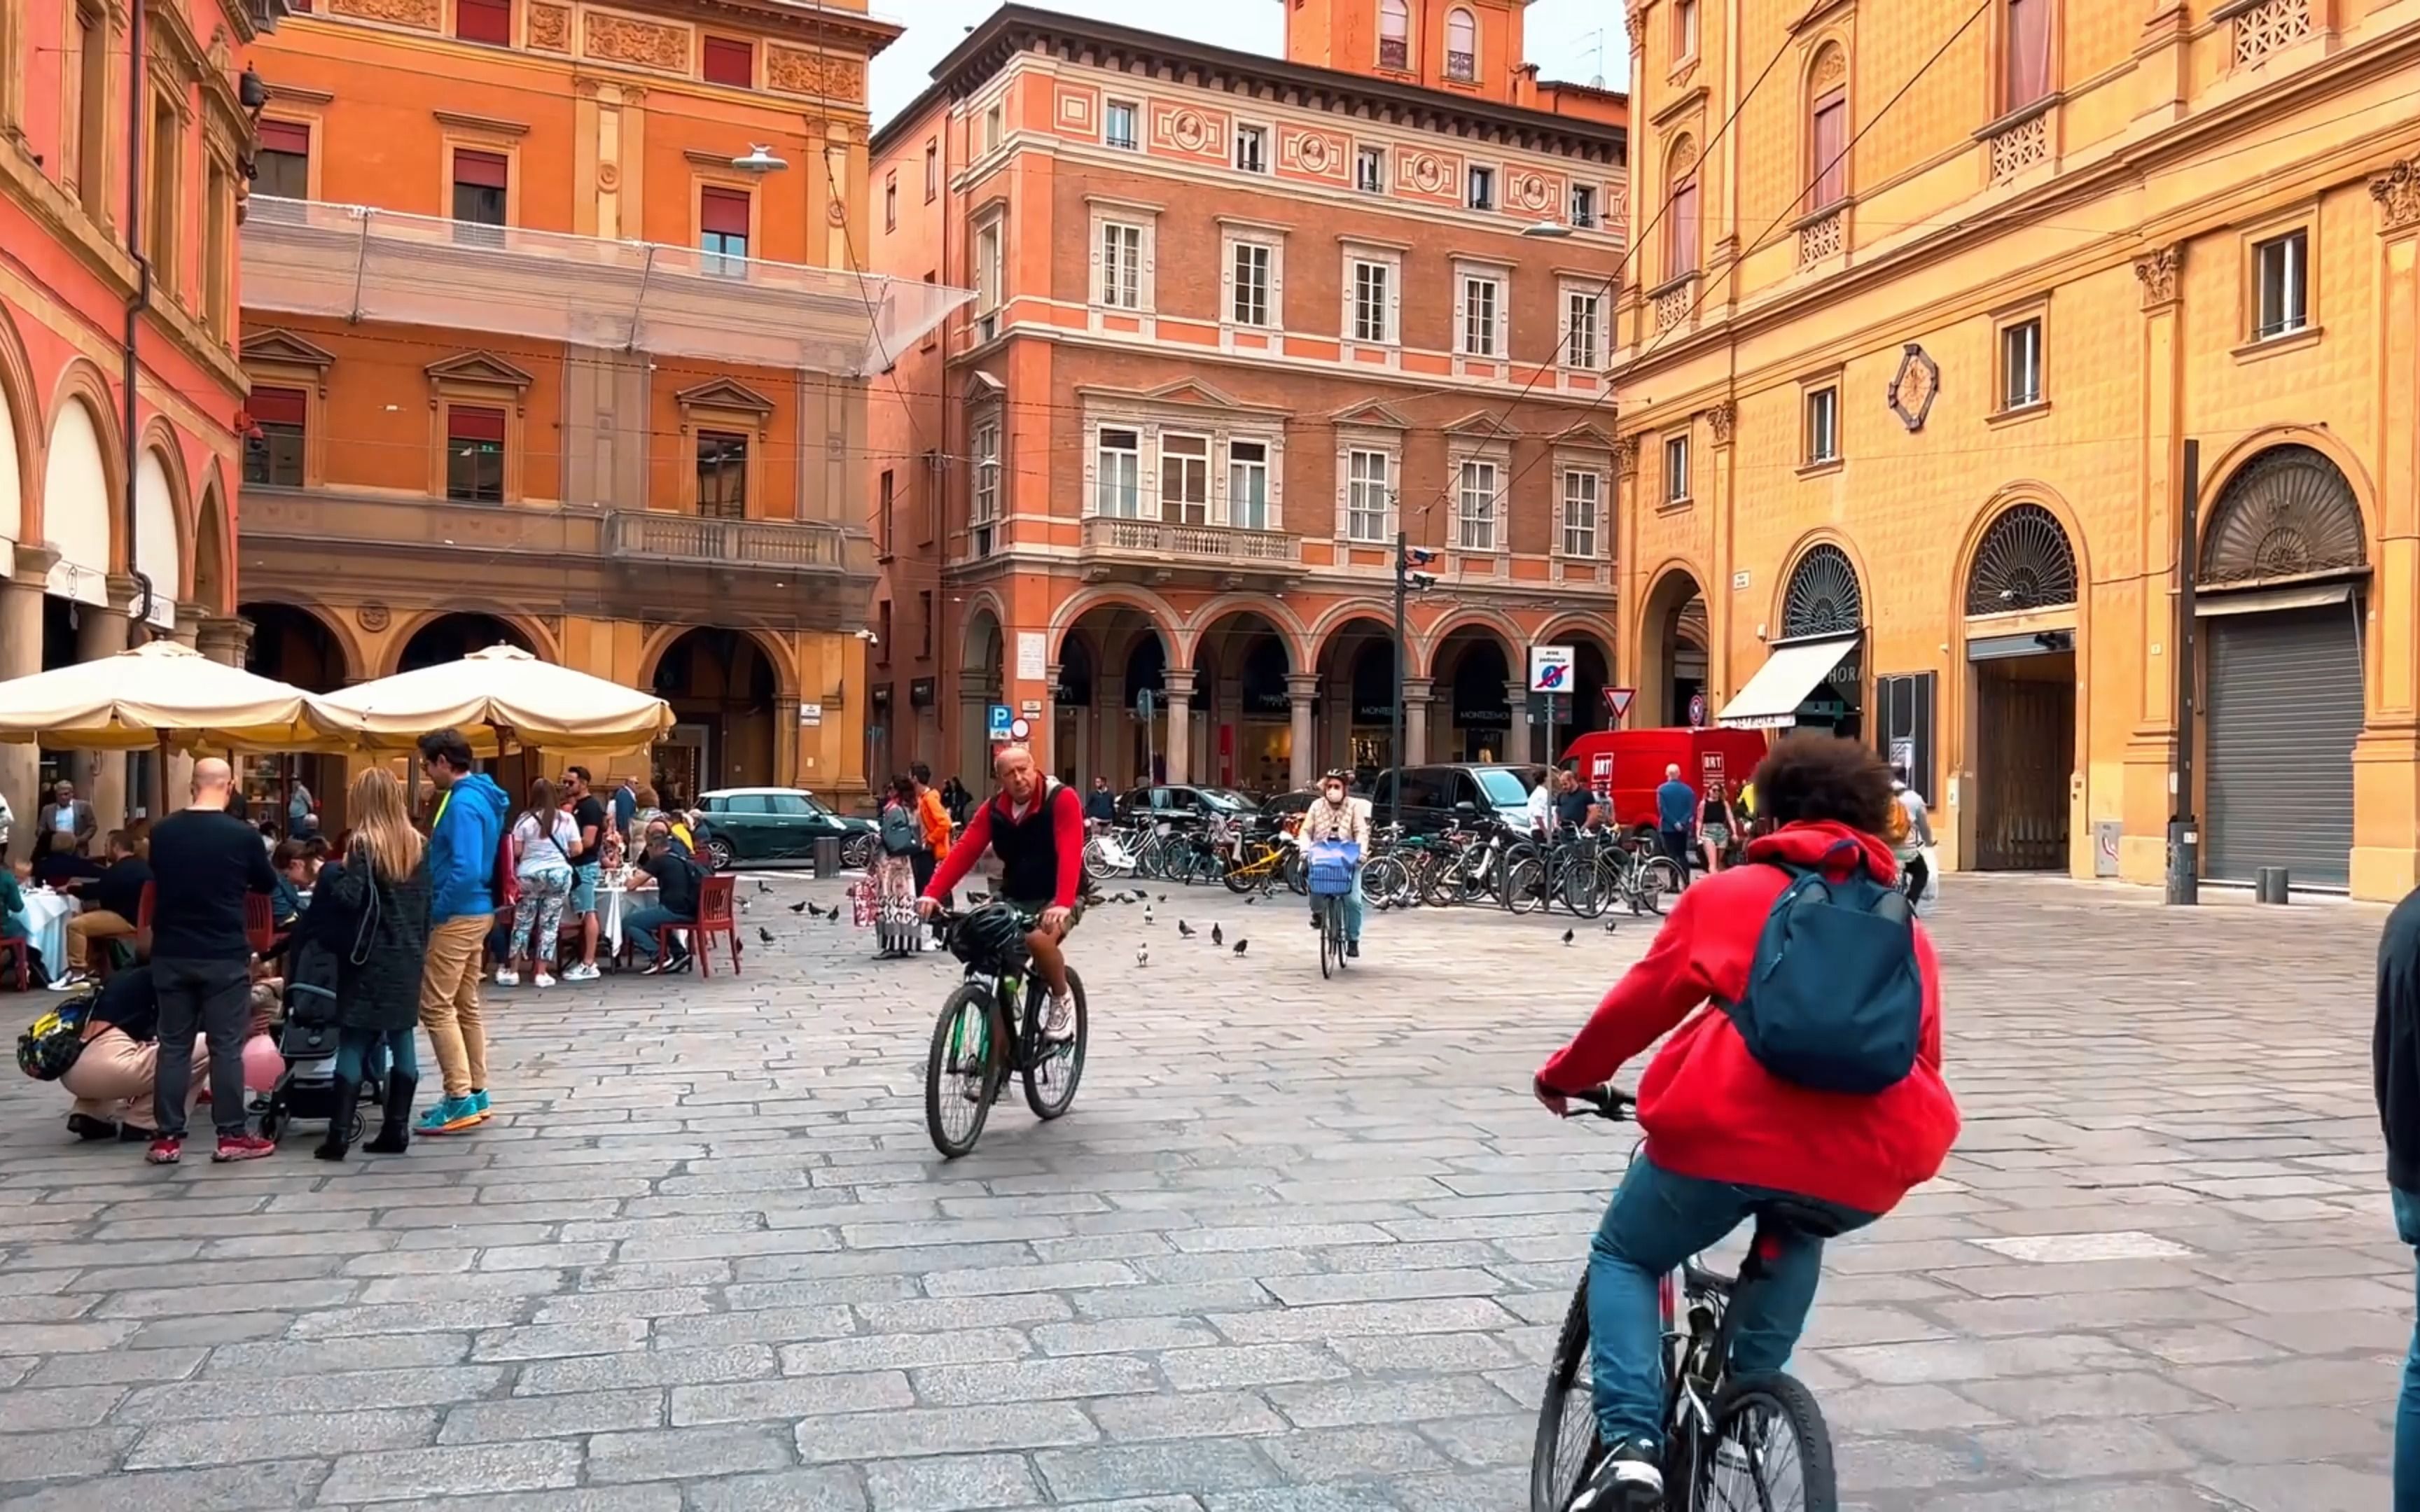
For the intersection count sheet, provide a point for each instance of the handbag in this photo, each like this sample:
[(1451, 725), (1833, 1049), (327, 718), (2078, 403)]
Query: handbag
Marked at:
[(49, 1048)]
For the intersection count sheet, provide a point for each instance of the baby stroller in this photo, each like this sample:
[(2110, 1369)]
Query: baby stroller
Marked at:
[(306, 1037)]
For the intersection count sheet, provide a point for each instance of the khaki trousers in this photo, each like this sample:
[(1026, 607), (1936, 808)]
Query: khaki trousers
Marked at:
[(92, 925), (449, 1002), (113, 1077)]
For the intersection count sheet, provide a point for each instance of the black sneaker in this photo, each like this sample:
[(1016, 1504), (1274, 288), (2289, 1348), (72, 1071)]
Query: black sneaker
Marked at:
[(1630, 1478), (85, 1126), (1353, 949)]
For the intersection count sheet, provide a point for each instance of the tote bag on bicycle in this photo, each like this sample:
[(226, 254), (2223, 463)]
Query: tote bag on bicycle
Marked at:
[(1332, 863)]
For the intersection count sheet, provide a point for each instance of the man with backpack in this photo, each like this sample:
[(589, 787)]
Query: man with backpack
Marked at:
[(1811, 1102)]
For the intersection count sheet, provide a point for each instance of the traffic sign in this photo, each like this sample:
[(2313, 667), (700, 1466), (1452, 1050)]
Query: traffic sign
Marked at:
[(1551, 669), (1697, 711), (1617, 702), (1019, 729), (1002, 718)]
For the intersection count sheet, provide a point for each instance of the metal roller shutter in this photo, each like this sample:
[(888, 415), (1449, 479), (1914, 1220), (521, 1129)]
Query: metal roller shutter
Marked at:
[(2284, 707)]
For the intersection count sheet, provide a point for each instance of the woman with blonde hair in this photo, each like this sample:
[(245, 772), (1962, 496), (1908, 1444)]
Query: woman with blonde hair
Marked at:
[(377, 924)]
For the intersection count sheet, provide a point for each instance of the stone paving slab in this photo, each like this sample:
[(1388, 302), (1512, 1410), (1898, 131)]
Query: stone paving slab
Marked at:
[(1302, 1247)]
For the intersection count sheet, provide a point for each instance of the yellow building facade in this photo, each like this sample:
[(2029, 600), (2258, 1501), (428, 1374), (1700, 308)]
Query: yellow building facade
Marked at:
[(1927, 301)]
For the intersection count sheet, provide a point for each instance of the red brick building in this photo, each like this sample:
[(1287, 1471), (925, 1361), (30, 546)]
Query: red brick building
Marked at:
[(124, 147), (1238, 320)]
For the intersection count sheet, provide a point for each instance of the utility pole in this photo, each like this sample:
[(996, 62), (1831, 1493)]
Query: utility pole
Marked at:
[(2184, 837), (1406, 582)]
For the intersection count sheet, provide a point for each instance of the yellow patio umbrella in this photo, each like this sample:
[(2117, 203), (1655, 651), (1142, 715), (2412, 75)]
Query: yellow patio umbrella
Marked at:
[(163, 695), (498, 697)]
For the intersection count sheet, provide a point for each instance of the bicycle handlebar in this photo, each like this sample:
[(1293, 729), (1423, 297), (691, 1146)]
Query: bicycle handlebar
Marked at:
[(1609, 1103)]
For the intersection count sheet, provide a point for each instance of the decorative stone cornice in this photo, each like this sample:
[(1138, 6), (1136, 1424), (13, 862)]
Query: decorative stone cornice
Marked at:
[(2159, 273), (1718, 421), (2397, 193), (1625, 456)]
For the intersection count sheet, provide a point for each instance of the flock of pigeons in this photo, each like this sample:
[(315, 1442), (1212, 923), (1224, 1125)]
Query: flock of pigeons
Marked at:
[(1183, 930)]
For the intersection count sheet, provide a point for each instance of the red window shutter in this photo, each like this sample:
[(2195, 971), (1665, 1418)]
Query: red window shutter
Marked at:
[(276, 407), (286, 137), (730, 62), (484, 21), (723, 211), (1831, 143), (475, 424), (1684, 228), (484, 170), (2028, 45)]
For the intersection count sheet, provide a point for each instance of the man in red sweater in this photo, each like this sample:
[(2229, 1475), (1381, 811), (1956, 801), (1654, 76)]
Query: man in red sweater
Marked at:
[(1035, 825), (1725, 1139)]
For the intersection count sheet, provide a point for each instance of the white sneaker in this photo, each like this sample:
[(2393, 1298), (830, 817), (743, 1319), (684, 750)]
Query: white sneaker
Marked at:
[(542, 979), (1059, 1026), (580, 972), (507, 977), (70, 983)]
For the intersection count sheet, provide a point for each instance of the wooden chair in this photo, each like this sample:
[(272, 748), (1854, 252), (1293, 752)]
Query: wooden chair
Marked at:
[(717, 914), (20, 952)]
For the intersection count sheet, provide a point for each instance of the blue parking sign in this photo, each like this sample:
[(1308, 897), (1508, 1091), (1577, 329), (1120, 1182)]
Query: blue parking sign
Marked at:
[(1000, 719)]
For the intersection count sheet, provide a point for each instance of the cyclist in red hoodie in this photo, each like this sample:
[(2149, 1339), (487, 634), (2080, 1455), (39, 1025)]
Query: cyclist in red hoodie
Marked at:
[(1725, 1139)]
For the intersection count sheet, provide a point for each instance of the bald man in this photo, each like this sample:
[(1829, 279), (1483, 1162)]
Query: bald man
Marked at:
[(204, 860)]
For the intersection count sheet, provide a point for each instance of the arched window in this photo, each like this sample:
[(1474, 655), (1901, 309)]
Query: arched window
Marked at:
[(1395, 35), (1680, 213), (1828, 131), (1461, 45), (2024, 562), (1823, 598)]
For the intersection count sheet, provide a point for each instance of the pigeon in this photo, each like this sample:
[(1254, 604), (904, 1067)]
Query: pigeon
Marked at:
[(1611, 926), (765, 934), (1142, 955), (762, 886), (1215, 938), (800, 907), (1252, 902), (1184, 928), (1239, 945), (1163, 897), (1146, 916), (1567, 936)]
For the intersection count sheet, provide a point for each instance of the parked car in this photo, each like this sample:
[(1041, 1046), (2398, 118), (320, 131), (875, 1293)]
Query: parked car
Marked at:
[(1162, 800), (774, 827)]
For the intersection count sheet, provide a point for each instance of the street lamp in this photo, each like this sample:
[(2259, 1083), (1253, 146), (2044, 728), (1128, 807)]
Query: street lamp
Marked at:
[(760, 160), (1547, 230), (1407, 581)]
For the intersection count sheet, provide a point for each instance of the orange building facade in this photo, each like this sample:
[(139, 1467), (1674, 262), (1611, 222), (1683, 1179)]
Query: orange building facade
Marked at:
[(120, 186), (560, 338), (1237, 321)]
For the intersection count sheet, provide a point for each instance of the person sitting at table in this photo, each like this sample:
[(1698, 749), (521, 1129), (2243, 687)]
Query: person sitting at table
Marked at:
[(113, 1077), (113, 902), (675, 881), (13, 926)]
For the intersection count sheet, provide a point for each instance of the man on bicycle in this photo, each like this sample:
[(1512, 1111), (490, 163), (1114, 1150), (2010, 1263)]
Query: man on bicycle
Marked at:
[(1035, 825), (1337, 816), (1726, 1138)]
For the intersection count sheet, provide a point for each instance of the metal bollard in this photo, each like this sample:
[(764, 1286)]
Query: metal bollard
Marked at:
[(2269, 884), (826, 857)]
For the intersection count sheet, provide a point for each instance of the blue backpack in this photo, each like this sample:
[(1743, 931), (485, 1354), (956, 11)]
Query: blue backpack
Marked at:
[(1834, 1000)]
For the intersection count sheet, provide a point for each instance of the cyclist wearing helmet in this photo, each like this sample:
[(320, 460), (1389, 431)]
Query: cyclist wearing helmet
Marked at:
[(1336, 815), (1035, 825)]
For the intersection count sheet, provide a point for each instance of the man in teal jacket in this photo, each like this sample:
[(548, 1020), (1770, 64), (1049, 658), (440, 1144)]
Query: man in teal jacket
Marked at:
[(463, 848)]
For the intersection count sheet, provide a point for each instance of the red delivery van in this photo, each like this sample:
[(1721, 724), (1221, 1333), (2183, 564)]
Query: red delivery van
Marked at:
[(1625, 767)]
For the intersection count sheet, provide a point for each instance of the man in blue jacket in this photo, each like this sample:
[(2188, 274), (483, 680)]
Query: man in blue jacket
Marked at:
[(1676, 818), (464, 846)]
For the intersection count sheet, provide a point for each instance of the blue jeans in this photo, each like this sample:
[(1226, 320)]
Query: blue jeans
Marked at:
[(2407, 1408), (372, 1055), (1655, 1221), (642, 926), (1351, 909)]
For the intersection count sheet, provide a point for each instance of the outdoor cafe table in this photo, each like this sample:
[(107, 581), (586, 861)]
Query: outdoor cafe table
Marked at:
[(46, 924)]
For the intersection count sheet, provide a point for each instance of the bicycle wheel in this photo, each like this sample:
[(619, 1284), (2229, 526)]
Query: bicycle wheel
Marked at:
[(962, 1074), (1659, 882), (1582, 891), (1330, 946), (1769, 1452), (1052, 1071), (1297, 871), (1525, 890), (1382, 879), (1566, 1446), (1242, 879)]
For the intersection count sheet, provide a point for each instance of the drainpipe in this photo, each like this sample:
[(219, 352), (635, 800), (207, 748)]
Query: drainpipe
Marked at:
[(140, 617)]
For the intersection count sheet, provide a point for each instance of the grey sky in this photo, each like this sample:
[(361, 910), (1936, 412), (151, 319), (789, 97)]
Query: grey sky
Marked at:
[(1566, 38)]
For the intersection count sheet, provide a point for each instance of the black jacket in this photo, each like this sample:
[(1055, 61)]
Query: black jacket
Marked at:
[(382, 991), (2395, 1044)]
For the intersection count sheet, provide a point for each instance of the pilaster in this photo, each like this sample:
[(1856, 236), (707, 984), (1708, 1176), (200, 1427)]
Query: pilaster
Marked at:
[(2151, 749)]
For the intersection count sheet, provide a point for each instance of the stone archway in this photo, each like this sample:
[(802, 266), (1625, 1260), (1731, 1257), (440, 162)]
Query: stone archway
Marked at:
[(1482, 712), (1674, 650), (724, 691), (447, 638), (1356, 663), (1253, 718), (982, 681), (1131, 651)]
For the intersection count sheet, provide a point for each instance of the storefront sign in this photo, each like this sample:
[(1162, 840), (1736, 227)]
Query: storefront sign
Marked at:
[(810, 715), (920, 693), (1031, 708)]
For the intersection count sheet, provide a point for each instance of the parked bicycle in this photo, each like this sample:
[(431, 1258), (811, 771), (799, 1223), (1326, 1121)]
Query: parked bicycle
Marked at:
[(1731, 1444), (981, 1037)]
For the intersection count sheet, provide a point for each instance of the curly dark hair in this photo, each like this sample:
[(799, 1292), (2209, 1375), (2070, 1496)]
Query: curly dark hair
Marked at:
[(1815, 776)]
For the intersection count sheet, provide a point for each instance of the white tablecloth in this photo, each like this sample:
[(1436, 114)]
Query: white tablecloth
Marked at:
[(46, 922), (608, 917)]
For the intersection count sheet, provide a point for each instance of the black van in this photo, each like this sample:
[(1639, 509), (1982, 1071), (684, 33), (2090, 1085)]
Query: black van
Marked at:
[(1433, 794)]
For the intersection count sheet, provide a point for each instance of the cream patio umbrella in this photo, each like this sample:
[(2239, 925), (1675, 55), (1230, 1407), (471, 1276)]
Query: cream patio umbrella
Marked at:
[(498, 697), (162, 694)]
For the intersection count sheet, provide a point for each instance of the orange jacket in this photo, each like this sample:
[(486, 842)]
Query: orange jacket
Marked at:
[(936, 821)]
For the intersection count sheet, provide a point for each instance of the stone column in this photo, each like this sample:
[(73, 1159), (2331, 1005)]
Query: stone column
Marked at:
[(1111, 724), (788, 735), (2151, 747), (20, 656), (223, 639), (179, 780), (974, 744), (1517, 733), (2385, 795), (1178, 687), (103, 633), (1417, 692), (1303, 688)]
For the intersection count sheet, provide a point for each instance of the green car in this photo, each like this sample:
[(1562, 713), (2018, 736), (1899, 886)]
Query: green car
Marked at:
[(776, 826)]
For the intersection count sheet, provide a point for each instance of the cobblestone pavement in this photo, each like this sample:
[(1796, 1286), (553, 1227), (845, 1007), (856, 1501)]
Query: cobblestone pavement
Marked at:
[(1300, 1248)]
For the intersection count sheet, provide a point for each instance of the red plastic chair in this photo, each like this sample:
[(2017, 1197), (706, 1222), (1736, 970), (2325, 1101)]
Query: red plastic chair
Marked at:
[(143, 909), (21, 952), (716, 915), (259, 922)]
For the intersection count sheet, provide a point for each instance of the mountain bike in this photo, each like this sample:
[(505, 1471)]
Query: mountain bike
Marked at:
[(980, 1039), (1731, 1444)]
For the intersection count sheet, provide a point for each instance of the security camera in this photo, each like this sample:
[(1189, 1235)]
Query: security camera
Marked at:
[(869, 637)]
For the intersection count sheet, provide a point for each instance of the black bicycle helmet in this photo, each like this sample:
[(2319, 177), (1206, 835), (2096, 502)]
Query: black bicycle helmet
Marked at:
[(990, 938)]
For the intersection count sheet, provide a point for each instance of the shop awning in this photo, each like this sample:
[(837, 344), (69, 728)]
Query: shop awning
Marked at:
[(2262, 600), (1771, 699)]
